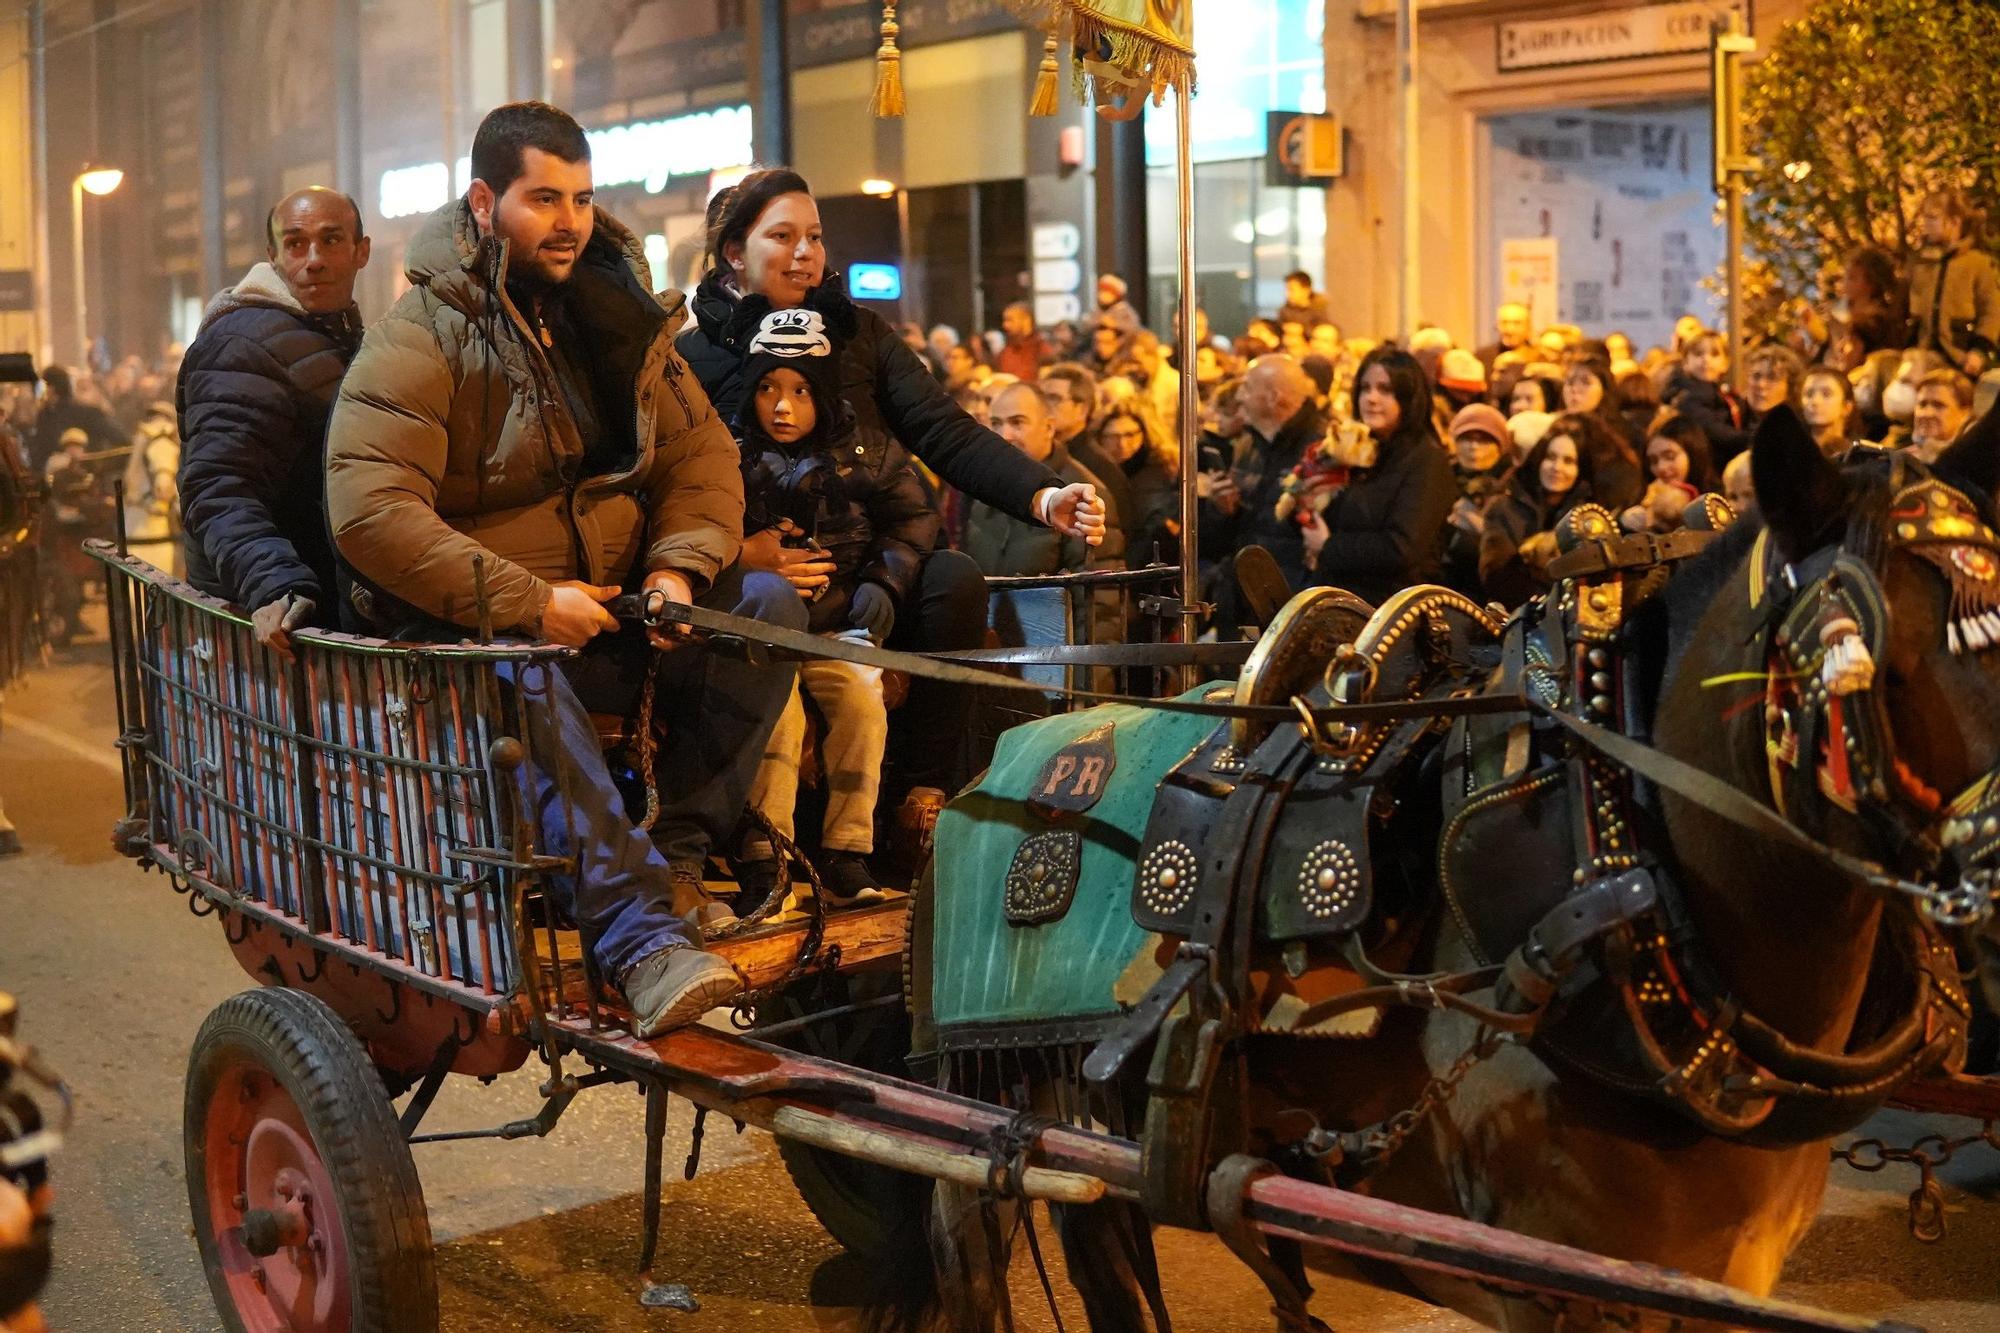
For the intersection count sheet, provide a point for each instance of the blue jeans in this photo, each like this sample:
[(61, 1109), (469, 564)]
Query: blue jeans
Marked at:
[(621, 896), (716, 714), (712, 712)]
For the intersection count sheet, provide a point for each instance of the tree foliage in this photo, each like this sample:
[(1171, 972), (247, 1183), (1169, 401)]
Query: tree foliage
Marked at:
[(1860, 109)]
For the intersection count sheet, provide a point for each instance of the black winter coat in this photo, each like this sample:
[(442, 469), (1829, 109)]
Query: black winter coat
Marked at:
[(898, 405), (1721, 417), (1259, 466), (255, 389), (1387, 524)]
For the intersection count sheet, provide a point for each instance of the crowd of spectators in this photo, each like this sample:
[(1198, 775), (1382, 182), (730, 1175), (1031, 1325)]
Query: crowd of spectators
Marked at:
[(1360, 463)]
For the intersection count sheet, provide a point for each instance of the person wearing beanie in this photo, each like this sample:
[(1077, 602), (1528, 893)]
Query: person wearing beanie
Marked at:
[(849, 535), (1461, 382), (1482, 457)]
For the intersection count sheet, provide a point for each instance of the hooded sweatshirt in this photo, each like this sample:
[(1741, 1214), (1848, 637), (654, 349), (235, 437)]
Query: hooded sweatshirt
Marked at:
[(254, 391)]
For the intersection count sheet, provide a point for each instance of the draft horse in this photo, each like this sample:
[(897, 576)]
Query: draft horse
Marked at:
[(1635, 950)]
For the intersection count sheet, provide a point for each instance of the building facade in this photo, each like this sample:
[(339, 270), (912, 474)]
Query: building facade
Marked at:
[(1564, 158)]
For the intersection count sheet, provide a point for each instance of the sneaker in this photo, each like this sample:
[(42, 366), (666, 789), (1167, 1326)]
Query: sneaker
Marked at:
[(675, 986), (701, 909), (848, 880), (756, 881)]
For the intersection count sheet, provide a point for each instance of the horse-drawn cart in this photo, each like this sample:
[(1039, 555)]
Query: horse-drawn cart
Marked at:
[(354, 823)]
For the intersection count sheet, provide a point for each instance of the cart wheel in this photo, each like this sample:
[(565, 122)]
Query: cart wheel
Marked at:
[(875, 1212), (306, 1203)]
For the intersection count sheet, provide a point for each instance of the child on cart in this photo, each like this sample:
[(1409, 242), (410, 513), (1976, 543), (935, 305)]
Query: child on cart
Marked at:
[(840, 514)]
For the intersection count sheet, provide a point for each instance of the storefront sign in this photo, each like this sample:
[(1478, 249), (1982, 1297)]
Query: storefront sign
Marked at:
[(1300, 149), (1529, 277), (648, 153), (1619, 34), (853, 31), (875, 282)]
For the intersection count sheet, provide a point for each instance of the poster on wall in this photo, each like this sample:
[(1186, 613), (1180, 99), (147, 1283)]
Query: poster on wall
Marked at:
[(1623, 196), (1529, 277)]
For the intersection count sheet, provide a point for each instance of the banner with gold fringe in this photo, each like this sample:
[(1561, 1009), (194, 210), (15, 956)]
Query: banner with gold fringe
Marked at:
[(1126, 46)]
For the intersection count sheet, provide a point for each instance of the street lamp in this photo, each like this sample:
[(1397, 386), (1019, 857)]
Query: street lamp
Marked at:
[(99, 181)]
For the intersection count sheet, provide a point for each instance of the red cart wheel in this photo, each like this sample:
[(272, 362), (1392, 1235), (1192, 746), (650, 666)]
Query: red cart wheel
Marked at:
[(306, 1202)]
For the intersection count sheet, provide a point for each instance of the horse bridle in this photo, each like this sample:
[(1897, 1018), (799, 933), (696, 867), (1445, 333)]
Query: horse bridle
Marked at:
[(1828, 736)]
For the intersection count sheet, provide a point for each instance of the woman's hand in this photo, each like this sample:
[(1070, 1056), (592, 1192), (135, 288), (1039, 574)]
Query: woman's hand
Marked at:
[(809, 571), (1075, 511)]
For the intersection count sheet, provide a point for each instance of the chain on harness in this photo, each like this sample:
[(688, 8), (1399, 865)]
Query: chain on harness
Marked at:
[(1927, 1154)]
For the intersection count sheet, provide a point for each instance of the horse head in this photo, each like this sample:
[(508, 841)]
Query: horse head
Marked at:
[(1842, 662)]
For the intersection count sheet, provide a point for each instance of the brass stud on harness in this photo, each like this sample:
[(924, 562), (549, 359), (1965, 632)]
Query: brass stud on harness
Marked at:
[(1167, 878), (1329, 879)]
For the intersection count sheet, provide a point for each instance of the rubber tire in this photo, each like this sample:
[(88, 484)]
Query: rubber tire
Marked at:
[(876, 1213), (316, 1058)]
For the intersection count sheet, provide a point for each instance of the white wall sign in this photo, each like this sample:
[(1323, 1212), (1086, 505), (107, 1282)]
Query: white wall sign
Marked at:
[(1530, 276), (1054, 308), (1058, 275), (1056, 240), (647, 153), (1623, 196), (1618, 34)]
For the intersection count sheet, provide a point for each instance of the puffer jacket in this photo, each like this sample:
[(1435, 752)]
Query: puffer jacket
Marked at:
[(898, 404), (452, 439), (253, 396)]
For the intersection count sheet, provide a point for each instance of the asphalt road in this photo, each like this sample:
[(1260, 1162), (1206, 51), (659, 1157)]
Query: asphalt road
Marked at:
[(114, 976)]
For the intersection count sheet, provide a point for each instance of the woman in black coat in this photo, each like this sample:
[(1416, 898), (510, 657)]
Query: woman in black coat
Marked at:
[(764, 238), (1384, 529)]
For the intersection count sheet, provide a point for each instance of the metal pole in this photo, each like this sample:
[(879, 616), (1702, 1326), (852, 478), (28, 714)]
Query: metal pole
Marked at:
[(771, 83), (1734, 240), (1730, 45), (1406, 92), (76, 264), (45, 334), (448, 76), (1190, 441)]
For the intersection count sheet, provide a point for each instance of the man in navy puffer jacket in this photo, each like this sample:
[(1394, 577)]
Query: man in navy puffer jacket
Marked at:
[(255, 389)]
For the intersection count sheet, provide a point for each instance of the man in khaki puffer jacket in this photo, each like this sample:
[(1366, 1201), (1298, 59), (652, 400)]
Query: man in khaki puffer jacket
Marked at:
[(523, 403)]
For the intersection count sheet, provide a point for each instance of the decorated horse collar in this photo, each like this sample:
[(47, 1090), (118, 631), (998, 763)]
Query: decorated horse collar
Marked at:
[(1827, 728), (1941, 525)]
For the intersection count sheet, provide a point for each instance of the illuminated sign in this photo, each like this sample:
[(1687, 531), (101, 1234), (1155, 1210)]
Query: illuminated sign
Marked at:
[(647, 153), (875, 282)]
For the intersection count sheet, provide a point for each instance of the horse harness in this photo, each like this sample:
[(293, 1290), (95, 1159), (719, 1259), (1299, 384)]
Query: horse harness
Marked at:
[(1589, 955)]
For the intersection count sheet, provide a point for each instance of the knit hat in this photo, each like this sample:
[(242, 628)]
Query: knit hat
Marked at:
[(1462, 371), (1482, 418), (1527, 428), (806, 338)]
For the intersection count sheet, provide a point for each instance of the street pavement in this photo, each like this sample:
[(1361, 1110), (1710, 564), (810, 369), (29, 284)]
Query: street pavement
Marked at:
[(114, 976)]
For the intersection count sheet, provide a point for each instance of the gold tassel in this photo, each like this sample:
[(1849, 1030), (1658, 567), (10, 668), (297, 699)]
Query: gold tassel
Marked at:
[(1044, 101), (888, 67)]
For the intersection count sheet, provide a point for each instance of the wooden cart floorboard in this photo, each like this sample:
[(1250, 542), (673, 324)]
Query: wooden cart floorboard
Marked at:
[(868, 936)]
